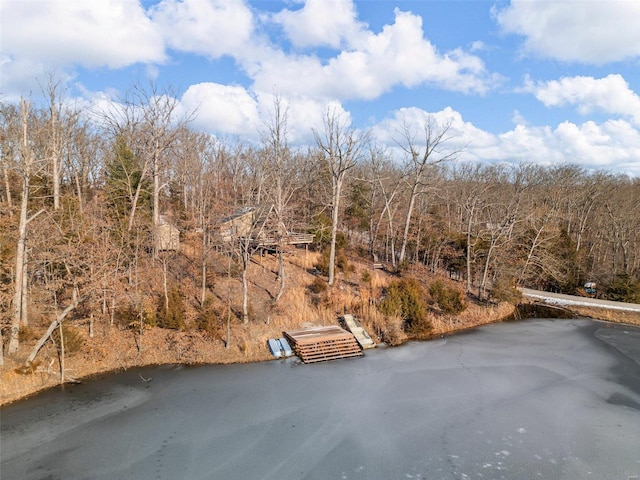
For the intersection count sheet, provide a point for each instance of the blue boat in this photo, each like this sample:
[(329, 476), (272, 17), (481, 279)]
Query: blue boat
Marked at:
[(274, 346), (286, 348)]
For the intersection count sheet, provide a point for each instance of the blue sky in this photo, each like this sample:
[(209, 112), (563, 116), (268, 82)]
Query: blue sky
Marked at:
[(549, 82)]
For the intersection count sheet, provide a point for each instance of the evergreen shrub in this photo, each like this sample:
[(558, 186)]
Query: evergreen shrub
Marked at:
[(406, 298), (448, 298), (173, 316)]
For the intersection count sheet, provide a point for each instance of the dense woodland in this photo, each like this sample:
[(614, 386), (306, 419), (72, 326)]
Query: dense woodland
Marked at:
[(83, 196)]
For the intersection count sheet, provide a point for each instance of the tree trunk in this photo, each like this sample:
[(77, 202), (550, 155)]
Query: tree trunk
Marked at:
[(532, 249), (469, 224), (334, 229), (156, 199), (245, 282), (416, 254), (281, 274), (5, 174), (56, 180), (79, 193), (407, 224), (24, 311), (61, 352), (341, 149), (228, 339), (483, 284), (203, 292), (165, 285), (55, 134), (18, 282), (203, 269), (136, 197)]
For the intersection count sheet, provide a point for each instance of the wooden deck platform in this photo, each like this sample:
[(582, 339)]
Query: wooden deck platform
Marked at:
[(318, 344)]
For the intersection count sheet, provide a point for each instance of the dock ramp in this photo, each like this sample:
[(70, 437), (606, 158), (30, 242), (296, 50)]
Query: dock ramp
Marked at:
[(353, 325)]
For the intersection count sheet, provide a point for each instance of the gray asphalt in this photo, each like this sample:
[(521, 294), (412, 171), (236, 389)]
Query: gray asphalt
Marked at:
[(562, 299), (522, 400)]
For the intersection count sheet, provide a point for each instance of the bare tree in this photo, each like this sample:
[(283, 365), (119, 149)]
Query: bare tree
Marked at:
[(541, 222), (148, 122), (469, 188), (28, 166), (280, 186), (58, 120), (502, 211), (198, 172), (244, 234), (341, 148), (7, 153), (419, 158), (85, 158)]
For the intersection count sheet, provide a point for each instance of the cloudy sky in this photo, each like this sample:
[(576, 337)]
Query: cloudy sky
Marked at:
[(543, 81)]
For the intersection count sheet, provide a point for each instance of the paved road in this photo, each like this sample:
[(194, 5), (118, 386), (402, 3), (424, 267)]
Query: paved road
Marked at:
[(561, 299), (551, 399)]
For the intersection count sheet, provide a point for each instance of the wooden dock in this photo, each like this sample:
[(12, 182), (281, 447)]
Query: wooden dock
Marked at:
[(319, 344)]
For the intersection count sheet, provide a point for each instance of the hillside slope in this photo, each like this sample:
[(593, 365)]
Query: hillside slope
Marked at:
[(117, 345)]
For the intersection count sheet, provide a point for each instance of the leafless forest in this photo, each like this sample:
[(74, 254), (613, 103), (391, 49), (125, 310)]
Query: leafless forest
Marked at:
[(83, 199)]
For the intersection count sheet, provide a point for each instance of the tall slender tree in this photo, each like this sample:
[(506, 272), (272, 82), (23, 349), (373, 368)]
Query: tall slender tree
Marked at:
[(280, 185), (341, 147), (28, 166), (434, 147)]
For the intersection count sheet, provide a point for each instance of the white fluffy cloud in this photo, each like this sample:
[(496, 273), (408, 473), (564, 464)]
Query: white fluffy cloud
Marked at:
[(321, 23), (233, 110), (89, 33), (116, 34), (412, 120), (64, 37), (211, 28), (610, 94), (613, 145), (222, 108), (44, 37), (594, 32), (375, 63)]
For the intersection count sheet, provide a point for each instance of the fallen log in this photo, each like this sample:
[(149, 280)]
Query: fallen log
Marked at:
[(74, 303)]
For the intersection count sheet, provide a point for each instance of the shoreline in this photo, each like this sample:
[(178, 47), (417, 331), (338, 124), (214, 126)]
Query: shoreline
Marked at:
[(23, 386)]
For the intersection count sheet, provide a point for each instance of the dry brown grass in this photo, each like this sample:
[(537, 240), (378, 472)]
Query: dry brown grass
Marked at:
[(617, 316), (378, 280), (473, 316), (388, 329), (304, 259)]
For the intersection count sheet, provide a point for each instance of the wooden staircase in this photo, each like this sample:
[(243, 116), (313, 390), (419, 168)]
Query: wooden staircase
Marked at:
[(319, 344)]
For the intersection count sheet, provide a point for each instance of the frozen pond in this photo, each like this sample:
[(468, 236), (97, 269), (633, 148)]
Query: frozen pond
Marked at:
[(535, 399)]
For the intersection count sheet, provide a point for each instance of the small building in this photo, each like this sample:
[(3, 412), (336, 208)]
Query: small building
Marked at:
[(259, 225), (239, 224)]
